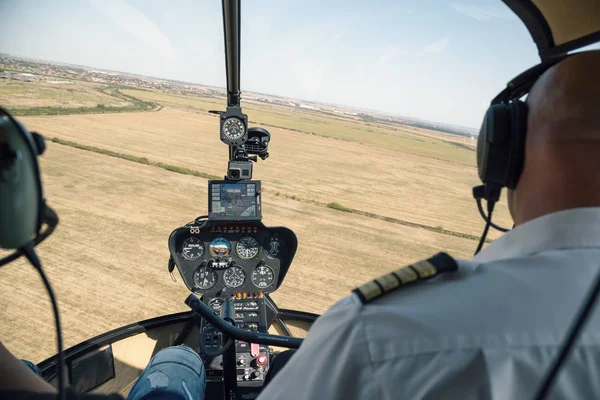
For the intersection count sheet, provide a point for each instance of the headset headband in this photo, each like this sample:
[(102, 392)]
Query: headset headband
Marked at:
[(520, 85)]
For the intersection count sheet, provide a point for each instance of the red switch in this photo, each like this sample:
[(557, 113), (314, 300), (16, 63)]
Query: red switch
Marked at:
[(261, 359), (254, 350)]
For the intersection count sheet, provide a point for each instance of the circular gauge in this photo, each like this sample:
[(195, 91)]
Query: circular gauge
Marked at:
[(220, 247), (234, 277), (192, 248), (233, 128), (247, 248), (216, 303), (263, 276), (205, 278)]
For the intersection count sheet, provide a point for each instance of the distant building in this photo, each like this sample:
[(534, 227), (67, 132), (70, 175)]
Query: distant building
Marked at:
[(25, 77), (308, 106)]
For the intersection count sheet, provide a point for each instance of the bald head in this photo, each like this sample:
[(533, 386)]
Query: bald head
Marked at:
[(562, 149), (564, 103)]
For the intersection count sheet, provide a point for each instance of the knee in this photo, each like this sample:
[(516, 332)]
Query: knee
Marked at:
[(32, 367), (182, 355)]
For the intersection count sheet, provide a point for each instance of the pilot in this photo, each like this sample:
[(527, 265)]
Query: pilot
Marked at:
[(491, 329)]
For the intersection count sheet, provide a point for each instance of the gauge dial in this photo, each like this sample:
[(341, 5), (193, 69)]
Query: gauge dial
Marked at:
[(234, 277), (192, 248), (233, 128), (216, 303), (263, 276), (220, 247), (205, 278), (247, 248)]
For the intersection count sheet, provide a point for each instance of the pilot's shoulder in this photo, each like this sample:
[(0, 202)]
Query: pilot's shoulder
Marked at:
[(412, 274)]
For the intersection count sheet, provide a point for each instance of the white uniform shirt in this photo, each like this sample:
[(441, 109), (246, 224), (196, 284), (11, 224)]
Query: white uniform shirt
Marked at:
[(488, 331)]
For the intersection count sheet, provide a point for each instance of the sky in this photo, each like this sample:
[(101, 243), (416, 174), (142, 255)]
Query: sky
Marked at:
[(436, 60)]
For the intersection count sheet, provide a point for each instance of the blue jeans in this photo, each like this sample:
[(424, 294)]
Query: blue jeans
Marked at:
[(32, 367), (174, 373)]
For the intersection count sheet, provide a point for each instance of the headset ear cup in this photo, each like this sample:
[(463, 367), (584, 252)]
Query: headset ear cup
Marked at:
[(492, 146), (20, 187), (483, 148), (518, 125), (39, 142)]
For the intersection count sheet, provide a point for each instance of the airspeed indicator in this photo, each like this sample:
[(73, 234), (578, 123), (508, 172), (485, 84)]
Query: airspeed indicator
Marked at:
[(192, 248)]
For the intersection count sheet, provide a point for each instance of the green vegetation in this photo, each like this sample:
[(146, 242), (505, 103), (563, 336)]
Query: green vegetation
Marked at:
[(339, 207), (139, 160), (131, 104)]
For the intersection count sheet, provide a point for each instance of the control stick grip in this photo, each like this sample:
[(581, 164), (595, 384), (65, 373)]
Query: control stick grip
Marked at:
[(236, 333)]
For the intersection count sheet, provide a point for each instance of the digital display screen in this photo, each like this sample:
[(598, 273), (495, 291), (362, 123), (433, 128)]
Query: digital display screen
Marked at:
[(234, 201)]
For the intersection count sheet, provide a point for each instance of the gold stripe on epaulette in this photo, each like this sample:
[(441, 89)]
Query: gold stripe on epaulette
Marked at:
[(388, 282), (406, 275), (425, 269), (370, 290), (422, 270)]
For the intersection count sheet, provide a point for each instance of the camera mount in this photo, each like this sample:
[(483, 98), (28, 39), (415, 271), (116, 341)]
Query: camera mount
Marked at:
[(245, 144)]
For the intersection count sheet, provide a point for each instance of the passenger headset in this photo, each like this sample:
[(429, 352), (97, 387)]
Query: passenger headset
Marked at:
[(500, 158), (23, 210)]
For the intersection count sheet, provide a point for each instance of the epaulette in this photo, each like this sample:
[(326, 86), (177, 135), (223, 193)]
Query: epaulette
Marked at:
[(419, 271)]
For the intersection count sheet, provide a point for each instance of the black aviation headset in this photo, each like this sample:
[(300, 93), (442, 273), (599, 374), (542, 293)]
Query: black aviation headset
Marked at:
[(23, 210), (501, 142)]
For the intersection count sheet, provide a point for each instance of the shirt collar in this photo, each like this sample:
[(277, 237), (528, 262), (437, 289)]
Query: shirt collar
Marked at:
[(574, 228)]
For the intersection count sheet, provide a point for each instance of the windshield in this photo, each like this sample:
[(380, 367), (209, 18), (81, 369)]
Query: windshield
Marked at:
[(373, 109)]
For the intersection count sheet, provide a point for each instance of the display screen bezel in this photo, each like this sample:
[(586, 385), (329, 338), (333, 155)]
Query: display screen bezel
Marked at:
[(217, 217)]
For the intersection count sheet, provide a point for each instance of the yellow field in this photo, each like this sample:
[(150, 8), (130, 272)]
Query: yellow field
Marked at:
[(108, 258), (405, 139)]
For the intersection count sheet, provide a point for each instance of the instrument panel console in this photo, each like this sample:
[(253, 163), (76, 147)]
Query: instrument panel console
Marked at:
[(223, 258)]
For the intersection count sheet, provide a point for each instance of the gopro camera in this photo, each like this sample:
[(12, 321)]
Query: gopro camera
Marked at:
[(239, 170)]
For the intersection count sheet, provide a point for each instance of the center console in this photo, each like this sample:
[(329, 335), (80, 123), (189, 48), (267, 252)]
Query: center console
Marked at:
[(232, 262), (252, 360)]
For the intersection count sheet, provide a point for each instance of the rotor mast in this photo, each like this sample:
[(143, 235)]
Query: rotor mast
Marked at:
[(245, 144), (231, 30)]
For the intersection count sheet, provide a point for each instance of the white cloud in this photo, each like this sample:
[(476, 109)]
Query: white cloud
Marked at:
[(480, 13), (136, 23), (436, 47), (390, 54)]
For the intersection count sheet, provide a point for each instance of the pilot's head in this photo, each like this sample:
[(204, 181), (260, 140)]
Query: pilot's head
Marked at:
[(562, 149)]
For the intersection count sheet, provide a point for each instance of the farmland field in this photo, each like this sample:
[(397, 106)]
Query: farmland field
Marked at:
[(409, 190), (55, 93)]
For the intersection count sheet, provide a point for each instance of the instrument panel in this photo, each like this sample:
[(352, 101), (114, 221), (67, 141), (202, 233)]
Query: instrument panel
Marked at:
[(221, 258)]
